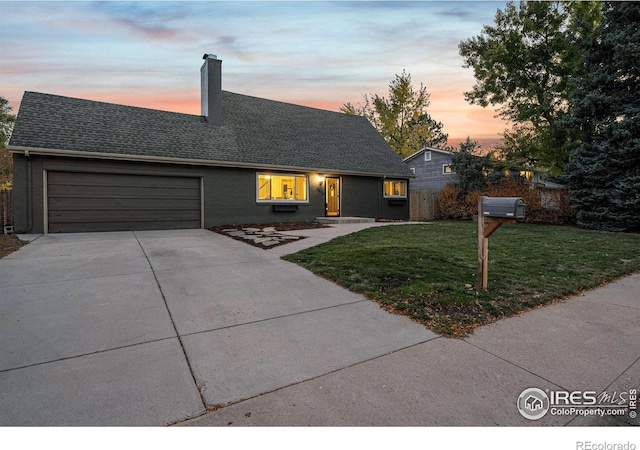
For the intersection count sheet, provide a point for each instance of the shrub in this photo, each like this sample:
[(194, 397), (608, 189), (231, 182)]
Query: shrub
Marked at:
[(542, 205), (453, 204)]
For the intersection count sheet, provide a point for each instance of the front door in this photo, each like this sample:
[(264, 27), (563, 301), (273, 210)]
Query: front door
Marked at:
[(333, 197)]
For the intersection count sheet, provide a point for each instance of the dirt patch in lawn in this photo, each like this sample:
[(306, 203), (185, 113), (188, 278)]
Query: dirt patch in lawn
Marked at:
[(265, 235), (9, 244)]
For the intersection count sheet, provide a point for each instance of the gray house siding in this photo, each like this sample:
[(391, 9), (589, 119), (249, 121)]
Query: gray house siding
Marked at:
[(230, 198), (26, 194), (362, 195), (429, 174), (359, 196), (229, 194)]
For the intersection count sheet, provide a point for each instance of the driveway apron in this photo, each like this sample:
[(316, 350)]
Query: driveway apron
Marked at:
[(156, 327)]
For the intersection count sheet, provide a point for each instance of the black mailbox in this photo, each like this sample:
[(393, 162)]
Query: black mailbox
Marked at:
[(506, 207)]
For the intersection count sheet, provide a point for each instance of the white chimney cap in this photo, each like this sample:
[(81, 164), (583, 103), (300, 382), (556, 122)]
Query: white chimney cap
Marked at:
[(210, 56)]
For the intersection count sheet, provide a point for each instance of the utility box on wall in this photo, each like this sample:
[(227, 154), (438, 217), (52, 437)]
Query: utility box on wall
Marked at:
[(505, 207)]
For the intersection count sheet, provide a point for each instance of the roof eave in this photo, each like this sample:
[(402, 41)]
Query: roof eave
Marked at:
[(431, 149), (194, 162)]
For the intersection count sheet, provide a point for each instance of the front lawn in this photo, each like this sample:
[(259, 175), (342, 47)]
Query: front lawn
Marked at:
[(428, 272)]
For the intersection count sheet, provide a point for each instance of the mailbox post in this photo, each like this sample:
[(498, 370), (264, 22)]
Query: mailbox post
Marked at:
[(493, 212)]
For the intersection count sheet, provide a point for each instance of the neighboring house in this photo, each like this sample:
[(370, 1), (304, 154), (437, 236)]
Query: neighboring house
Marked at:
[(432, 168), (82, 165)]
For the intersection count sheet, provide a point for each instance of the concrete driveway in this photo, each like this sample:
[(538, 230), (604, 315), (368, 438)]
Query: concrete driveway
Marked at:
[(156, 327)]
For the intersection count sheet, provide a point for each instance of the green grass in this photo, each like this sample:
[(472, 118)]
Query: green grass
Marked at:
[(429, 272)]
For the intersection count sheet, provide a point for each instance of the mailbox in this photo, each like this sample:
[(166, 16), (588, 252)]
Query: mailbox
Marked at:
[(505, 207)]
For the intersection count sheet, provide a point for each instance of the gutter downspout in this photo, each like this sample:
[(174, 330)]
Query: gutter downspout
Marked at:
[(29, 192)]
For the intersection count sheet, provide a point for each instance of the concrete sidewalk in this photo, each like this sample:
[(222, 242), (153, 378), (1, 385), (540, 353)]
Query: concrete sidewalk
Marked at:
[(589, 342), (317, 236)]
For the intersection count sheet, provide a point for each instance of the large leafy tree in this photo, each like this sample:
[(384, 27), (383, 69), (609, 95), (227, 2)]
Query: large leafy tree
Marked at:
[(402, 118), (524, 66), (6, 125), (604, 171)]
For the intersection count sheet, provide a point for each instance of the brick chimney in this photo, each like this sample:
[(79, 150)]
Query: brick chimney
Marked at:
[(211, 89)]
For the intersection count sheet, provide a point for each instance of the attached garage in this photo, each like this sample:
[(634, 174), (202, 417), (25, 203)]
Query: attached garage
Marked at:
[(82, 202), (84, 166)]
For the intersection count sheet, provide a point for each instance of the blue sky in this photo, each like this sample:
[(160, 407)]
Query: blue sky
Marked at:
[(321, 54)]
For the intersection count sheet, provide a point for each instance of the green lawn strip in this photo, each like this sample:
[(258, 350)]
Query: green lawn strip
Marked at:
[(429, 272)]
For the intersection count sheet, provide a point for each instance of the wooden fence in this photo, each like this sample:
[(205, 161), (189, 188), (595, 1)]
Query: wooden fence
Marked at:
[(423, 205), (6, 208)]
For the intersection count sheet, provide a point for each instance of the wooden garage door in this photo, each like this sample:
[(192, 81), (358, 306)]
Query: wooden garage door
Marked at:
[(79, 202)]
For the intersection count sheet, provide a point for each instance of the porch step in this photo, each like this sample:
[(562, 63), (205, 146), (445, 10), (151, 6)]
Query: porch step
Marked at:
[(338, 220)]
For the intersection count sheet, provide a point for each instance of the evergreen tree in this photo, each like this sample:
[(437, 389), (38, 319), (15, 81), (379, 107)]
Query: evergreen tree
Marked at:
[(470, 167), (604, 170)]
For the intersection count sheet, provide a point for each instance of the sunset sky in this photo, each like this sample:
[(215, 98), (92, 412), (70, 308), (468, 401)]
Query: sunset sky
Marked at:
[(320, 54)]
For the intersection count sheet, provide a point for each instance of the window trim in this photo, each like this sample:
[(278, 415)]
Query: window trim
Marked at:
[(427, 155), (444, 172), (384, 194), (281, 200)]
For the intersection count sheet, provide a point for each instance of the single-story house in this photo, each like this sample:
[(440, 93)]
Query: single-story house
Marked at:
[(432, 169), (82, 165)]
